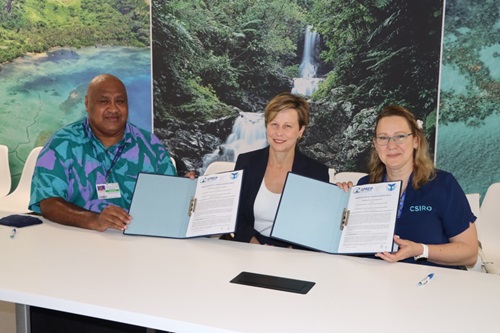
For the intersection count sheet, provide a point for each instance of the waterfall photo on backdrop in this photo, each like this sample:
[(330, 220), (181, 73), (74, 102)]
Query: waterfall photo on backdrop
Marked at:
[(217, 64), (211, 67)]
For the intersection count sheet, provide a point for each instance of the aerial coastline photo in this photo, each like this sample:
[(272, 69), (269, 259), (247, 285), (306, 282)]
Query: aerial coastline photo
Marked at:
[(469, 111), (202, 91), (50, 50)]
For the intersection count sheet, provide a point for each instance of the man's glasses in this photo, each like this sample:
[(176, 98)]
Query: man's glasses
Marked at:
[(399, 139)]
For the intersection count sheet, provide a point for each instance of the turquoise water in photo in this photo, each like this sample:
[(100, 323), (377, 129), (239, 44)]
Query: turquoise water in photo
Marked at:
[(43, 92), (490, 56), (472, 154)]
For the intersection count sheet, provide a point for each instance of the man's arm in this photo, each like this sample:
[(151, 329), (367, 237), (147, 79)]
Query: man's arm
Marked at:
[(60, 211)]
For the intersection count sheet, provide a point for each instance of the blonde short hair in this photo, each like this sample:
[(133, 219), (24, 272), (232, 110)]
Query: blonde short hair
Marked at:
[(286, 101)]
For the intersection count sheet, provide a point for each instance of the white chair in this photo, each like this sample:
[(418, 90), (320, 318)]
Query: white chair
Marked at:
[(5, 180), (489, 231), (219, 166), (474, 201), (348, 176), (173, 162), (331, 173), (18, 200)]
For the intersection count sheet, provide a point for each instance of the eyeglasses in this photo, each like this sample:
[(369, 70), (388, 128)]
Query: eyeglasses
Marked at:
[(399, 139)]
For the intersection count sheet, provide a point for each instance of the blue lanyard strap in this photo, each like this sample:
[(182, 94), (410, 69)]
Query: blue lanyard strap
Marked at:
[(402, 198), (401, 203), (117, 156)]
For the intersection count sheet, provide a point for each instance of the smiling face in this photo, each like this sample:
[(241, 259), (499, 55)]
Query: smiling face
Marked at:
[(107, 108), (396, 157), (284, 131)]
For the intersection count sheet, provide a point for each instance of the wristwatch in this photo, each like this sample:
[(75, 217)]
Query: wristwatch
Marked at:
[(424, 254)]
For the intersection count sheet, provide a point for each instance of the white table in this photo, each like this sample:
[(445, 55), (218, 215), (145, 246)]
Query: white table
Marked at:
[(183, 285)]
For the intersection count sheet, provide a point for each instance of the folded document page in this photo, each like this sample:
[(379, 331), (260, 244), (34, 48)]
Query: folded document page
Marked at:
[(179, 207), (323, 217)]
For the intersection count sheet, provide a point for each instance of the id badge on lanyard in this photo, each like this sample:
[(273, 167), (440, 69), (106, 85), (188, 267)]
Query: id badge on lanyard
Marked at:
[(110, 190)]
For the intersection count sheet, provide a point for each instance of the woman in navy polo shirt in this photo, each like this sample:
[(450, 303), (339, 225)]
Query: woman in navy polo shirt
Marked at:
[(435, 224)]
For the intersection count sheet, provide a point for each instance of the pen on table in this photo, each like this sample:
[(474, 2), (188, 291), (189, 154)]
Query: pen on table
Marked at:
[(13, 233), (426, 279)]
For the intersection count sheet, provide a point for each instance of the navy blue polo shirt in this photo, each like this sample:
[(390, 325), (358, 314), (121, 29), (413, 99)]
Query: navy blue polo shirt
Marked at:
[(434, 213)]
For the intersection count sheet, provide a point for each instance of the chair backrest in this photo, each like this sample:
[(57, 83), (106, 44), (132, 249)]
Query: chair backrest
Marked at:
[(19, 199), (348, 176), (489, 231), (5, 180), (219, 166), (474, 203), (173, 162), (331, 173)]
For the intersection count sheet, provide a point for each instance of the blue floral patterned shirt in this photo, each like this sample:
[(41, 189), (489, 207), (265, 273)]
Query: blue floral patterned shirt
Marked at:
[(74, 161)]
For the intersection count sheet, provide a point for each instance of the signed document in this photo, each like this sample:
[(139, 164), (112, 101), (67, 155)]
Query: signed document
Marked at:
[(372, 216), (321, 216), (216, 204), (179, 207)]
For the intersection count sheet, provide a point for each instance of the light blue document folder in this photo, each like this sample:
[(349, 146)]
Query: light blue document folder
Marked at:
[(310, 213), (313, 214), (160, 205)]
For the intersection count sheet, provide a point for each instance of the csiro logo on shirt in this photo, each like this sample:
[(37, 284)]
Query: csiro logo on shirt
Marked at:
[(417, 209)]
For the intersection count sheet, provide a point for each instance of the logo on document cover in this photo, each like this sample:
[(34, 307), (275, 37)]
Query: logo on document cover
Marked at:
[(363, 189), (391, 187), (209, 179), (234, 175)]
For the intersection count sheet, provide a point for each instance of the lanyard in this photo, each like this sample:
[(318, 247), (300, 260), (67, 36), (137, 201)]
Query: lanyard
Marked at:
[(403, 196), (402, 203), (117, 156)]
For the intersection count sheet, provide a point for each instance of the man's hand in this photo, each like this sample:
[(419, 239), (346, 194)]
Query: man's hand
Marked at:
[(60, 211), (112, 217), (190, 175)]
